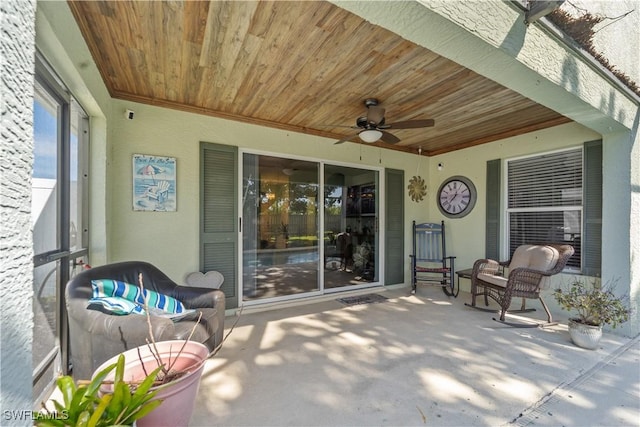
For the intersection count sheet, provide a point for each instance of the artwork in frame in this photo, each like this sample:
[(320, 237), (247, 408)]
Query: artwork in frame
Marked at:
[(154, 183)]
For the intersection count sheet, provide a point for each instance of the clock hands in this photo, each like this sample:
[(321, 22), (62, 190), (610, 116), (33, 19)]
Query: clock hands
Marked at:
[(456, 197)]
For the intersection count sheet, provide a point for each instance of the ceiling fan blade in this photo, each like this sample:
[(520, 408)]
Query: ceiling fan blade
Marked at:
[(375, 114), (342, 141), (412, 124), (389, 138)]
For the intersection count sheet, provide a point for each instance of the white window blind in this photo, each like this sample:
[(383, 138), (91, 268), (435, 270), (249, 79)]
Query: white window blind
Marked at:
[(544, 200)]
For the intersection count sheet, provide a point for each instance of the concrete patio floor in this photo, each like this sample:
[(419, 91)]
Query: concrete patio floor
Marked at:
[(413, 360)]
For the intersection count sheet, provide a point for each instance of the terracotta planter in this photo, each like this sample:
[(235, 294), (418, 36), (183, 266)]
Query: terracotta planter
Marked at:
[(585, 336), (178, 396)]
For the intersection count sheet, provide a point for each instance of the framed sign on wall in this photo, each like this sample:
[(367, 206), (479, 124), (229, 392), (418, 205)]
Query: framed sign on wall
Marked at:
[(154, 183)]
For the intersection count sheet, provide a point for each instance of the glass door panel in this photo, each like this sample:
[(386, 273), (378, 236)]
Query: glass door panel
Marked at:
[(46, 349), (280, 249), (350, 226), (58, 207), (45, 208)]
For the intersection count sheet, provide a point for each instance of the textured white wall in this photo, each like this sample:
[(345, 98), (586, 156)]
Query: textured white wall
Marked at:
[(17, 29), (617, 40)]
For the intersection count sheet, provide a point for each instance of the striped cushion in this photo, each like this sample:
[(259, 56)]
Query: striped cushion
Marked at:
[(116, 288), (115, 305)]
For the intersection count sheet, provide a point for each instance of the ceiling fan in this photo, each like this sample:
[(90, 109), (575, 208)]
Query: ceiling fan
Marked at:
[(373, 127)]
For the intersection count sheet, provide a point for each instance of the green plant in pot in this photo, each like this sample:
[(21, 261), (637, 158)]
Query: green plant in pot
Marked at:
[(595, 306), (176, 366), (150, 385), (84, 405)]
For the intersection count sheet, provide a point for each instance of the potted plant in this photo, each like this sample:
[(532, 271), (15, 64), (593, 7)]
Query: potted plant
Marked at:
[(83, 405), (595, 306), (176, 366)]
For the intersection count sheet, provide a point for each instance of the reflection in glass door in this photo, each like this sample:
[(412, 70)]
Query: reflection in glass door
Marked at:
[(350, 226), (280, 227), (58, 208), (46, 213)]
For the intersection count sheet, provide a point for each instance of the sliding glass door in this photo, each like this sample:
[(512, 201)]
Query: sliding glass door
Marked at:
[(283, 253), (60, 231), (350, 226), (280, 232)]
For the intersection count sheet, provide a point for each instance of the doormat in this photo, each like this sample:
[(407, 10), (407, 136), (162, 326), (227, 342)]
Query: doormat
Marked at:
[(362, 299)]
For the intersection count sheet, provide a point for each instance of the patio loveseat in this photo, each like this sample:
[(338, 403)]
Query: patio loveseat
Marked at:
[(96, 336)]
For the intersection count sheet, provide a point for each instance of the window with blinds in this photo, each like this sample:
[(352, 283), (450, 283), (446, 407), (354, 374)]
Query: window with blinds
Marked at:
[(545, 201)]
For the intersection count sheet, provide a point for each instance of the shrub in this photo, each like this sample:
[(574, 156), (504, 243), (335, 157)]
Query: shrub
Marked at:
[(595, 305)]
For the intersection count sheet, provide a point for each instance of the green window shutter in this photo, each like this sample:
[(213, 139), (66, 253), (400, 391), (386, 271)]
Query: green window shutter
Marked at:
[(394, 227), (219, 215), (492, 231), (592, 216)]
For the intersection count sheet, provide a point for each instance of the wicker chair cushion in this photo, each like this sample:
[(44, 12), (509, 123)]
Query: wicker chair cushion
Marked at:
[(496, 280), (536, 257)]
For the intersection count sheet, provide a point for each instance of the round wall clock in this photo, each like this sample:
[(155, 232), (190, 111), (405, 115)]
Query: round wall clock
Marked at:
[(456, 197)]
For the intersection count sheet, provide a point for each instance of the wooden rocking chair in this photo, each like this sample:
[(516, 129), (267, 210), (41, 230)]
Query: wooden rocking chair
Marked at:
[(429, 261)]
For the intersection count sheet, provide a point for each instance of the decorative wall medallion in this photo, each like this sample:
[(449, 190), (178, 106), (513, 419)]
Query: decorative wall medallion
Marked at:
[(417, 188)]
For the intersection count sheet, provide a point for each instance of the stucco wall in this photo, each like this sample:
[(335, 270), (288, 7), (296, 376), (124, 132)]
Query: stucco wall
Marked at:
[(17, 27), (613, 36)]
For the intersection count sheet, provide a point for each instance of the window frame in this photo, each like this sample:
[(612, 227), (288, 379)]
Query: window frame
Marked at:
[(507, 211), (68, 259)]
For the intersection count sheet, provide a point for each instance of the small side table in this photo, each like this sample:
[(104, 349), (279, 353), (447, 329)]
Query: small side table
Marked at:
[(465, 274)]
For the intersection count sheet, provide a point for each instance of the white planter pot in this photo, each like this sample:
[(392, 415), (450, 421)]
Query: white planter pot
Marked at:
[(178, 397), (585, 336)]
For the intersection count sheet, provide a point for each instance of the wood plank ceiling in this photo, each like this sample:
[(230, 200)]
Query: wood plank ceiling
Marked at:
[(303, 66)]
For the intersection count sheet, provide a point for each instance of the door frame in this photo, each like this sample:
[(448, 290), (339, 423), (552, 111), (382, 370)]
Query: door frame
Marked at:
[(381, 217)]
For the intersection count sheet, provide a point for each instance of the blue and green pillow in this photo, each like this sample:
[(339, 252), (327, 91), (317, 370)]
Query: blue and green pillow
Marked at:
[(109, 288), (115, 305)]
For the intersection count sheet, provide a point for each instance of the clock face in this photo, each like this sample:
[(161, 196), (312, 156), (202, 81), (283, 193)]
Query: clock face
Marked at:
[(456, 197)]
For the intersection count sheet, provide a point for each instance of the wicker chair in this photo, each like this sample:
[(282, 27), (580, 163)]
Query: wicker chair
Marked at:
[(528, 273)]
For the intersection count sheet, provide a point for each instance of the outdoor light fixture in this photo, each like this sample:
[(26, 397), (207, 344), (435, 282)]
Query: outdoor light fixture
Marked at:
[(370, 135)]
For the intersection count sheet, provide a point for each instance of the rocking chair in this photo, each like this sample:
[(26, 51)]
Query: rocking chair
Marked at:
[(528, 273), (429, 261)]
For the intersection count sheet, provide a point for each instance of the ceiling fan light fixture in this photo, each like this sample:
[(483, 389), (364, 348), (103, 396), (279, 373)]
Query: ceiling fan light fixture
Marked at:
[(370, 135)]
